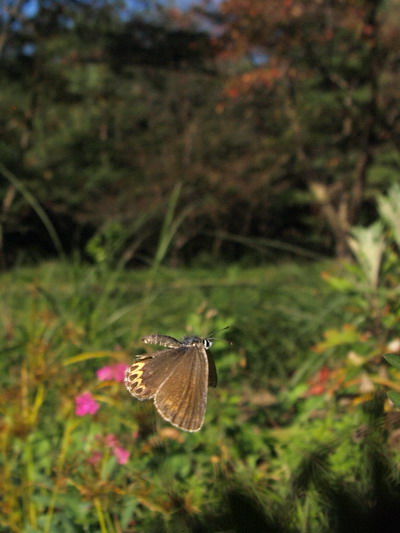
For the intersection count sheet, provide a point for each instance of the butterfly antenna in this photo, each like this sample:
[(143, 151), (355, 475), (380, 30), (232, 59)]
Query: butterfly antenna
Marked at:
[(217, 331), (209, 337)]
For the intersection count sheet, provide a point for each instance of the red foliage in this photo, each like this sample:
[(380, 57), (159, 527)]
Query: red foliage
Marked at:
[(319, 382), (261, 77)]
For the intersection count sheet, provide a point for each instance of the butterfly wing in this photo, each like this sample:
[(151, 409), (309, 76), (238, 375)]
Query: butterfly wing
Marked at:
[(148, 372), (182, 397)]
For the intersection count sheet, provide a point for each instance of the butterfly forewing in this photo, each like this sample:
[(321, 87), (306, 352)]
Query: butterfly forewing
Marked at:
[(148, 372), (182, 397)]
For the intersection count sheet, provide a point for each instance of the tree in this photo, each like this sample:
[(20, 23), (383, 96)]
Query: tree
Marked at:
[(331, 68)]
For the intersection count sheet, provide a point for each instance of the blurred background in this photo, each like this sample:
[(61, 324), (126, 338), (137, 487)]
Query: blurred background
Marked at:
[(270, 125), (177, 167)]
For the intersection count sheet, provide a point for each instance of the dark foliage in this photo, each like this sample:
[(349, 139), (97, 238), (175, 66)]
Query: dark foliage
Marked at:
[(106, 111)]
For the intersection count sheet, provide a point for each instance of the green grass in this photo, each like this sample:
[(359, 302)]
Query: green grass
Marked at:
[(63, 321)]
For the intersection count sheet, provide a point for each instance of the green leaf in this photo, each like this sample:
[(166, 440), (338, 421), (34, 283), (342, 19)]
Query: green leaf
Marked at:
[(393, 359), (339, 284), (394, 397)]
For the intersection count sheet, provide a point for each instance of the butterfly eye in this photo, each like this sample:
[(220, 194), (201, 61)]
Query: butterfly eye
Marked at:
[(207, 344)]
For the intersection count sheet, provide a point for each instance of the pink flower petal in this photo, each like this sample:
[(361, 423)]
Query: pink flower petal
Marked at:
[(94, 458), (104, 373), (119, 372), (85, 404), (121, 454), (111, 440), (115, 372)]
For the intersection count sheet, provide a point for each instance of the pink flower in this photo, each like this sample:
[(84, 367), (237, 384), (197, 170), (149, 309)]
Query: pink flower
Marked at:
[(121, 454), (111, 440), (105, 373), (94, 458), (112, 372), (85, 404)]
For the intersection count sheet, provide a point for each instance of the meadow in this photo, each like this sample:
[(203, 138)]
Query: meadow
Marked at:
[(285, 427)]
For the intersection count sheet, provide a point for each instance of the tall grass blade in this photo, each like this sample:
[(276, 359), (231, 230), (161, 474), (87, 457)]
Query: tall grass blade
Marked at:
[(170, 226), (32, 201)]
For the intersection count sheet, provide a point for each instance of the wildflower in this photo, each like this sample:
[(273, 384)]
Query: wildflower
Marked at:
[(111, 440), (85, 404), (121, 454), (105, 373), (94, 458), (112, 372)]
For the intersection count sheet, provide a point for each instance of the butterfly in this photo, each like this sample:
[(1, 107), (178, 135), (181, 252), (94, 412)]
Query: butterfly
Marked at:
[(176, 379)]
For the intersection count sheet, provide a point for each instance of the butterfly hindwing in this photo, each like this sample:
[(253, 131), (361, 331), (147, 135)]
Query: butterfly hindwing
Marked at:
[(148, 372)]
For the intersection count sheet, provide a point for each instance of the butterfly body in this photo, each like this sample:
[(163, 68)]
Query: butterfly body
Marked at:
[(176, 379)]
